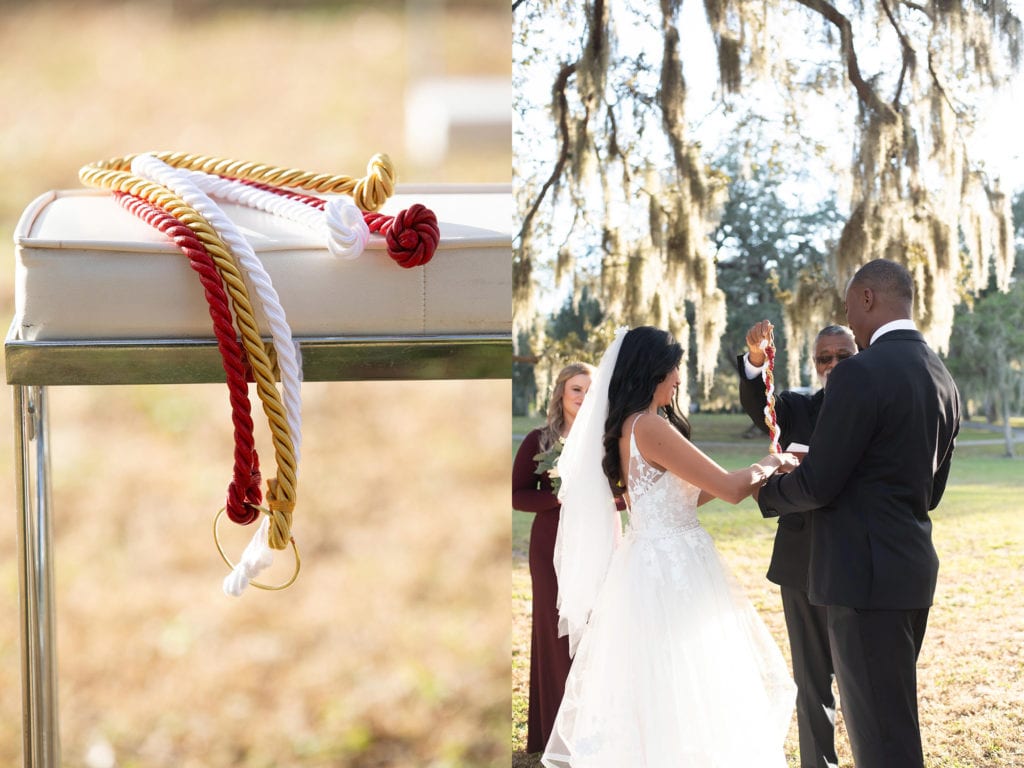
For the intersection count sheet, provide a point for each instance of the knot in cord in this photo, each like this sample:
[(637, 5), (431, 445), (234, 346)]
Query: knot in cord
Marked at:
[(281, 510), (373, 190), (412, 235), (348, 233), (240, 508)]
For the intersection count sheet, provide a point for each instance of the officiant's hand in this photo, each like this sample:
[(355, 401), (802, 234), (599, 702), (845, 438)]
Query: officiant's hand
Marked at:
[(758, 332)]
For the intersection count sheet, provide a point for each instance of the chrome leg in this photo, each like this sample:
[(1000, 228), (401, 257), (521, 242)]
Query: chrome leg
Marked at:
[(40, 729)]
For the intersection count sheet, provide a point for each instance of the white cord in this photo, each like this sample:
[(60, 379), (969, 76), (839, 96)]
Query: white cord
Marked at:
[(341, 223), (257, 557)]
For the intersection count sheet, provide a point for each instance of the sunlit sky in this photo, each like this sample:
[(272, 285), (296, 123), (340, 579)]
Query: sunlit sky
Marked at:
[(994, 142), (997, 139)]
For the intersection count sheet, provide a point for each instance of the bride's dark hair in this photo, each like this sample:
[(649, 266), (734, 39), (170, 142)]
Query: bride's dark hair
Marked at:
[(646, 357)]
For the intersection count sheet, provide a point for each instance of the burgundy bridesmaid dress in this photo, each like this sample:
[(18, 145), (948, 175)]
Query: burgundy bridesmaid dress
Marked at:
[(549, 653)]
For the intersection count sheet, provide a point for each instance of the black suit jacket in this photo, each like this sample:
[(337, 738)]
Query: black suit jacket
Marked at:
[(796, 414), (878, 463)]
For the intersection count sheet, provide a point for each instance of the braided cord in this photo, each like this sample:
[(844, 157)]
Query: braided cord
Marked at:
[(244, 495), (310, 200), (281, 489), (369, 192), (771, 419)]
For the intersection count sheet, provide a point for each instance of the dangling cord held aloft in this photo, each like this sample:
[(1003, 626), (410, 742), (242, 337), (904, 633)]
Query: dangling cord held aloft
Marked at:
[(257, 557), (180, 182), (771, 419)]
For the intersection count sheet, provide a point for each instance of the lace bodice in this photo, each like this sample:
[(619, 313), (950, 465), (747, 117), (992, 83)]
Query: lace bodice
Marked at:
[(661, 503)]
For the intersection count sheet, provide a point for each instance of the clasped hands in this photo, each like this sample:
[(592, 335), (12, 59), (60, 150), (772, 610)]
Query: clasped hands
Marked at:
[(783, 463)]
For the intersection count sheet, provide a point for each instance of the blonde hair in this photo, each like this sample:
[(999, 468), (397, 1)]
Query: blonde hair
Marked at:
[(556, 416)]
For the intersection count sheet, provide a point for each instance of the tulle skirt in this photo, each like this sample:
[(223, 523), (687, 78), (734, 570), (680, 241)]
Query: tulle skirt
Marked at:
[(675, 668)]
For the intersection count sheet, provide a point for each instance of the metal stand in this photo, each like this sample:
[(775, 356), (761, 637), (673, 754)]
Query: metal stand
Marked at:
[(40, 732), (34, 365)]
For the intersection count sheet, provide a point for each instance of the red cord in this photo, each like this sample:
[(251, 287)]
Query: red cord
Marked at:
[(244, 493), (411, 236)]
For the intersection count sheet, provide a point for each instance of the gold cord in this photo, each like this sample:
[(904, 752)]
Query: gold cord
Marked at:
[(369, 192)]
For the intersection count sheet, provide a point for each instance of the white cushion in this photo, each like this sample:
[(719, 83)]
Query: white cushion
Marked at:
[(88, 269)]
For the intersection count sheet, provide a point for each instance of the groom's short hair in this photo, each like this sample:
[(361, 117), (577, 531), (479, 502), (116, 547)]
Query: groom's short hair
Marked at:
[(888, 278)]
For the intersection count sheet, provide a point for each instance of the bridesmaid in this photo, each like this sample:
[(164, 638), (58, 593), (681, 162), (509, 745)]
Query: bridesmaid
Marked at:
[(533, 492)]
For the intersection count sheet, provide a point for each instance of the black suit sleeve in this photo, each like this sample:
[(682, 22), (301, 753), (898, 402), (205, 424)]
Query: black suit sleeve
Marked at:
[(794, 411), (850, 409), (942, 473), (752, 396)]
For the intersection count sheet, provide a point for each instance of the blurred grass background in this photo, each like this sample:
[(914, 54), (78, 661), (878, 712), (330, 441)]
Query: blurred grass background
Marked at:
[(388, 651)]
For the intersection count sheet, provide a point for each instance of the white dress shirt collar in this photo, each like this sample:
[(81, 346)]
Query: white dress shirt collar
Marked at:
[(893, 325)]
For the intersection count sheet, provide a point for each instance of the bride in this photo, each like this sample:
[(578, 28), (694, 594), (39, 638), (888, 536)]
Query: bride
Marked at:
[(673, 667)]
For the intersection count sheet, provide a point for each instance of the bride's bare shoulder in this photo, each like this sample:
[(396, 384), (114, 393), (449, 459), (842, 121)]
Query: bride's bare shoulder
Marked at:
[(652, 424), (641, 423)]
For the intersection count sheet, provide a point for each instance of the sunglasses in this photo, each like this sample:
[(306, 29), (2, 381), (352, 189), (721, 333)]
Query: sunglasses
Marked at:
[(826, 359)]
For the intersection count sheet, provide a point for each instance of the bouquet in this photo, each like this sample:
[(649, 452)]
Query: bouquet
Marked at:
[(547, 461)]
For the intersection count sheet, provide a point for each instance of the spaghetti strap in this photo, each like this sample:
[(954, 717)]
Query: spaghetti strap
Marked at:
[(632, 428), (638, 467), (634, 449)]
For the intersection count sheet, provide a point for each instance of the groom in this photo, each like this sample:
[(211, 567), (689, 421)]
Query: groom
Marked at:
[(878, 462)]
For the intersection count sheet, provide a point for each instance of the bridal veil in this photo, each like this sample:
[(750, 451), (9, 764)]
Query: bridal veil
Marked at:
[(589, 526)]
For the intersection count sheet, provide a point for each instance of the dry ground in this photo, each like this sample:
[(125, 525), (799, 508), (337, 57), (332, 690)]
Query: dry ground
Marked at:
[(388, 650)]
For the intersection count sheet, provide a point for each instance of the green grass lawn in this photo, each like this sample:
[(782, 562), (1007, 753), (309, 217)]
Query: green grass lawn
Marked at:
[(971, 669)]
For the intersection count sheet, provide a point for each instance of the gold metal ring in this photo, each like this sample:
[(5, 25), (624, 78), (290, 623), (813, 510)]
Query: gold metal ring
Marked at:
[(231, 565)]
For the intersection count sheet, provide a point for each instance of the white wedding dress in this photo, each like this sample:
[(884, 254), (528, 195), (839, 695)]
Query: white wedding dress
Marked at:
[(675, 668)]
